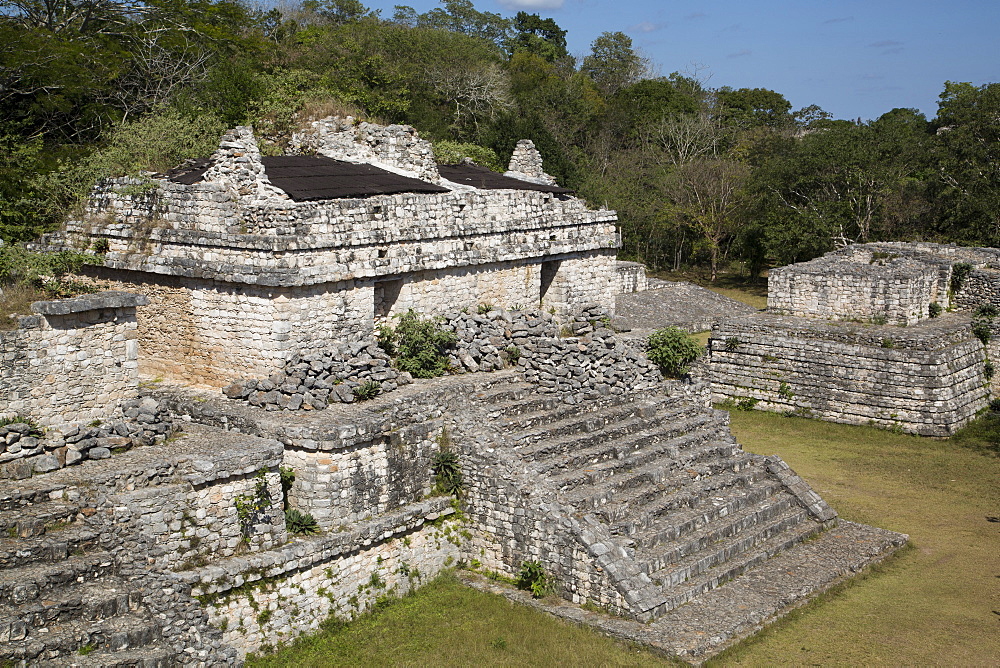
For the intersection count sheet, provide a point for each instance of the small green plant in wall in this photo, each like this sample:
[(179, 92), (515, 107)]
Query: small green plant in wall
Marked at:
[(251, 505), (532, 577)]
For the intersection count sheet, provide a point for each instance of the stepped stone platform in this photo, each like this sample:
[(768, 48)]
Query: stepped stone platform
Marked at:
[(675, 303), (703, 628), (79, 580), (640, 503)]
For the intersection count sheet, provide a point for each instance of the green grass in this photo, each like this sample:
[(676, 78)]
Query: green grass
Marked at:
[(935, 603), (448, 624)]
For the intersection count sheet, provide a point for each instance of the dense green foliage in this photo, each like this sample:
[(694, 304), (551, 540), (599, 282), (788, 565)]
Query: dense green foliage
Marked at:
[(698, 175), (673, 350), (418, 345)]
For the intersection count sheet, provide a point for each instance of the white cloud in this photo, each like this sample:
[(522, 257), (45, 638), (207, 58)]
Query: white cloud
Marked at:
[(646, 26), (532, 4)]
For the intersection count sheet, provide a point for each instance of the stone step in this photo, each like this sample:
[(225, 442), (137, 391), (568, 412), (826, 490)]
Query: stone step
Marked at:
[(639, 485), (66, 640), (37, 491), (35, 519), (150, 656), (618, 441), (636, 510), (21, 585), (505, 393), (693, 531), (729, 559), (582, 417), (53, 546), (90, 601), (649, 449), (651, 530)]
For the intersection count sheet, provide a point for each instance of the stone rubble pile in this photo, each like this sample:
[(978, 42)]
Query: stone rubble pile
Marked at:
[(593, 362), (26, 450), (590, 361), (312, 380), (490, 341)]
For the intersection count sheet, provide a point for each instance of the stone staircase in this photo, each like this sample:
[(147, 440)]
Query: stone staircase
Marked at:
[(666, 479), (62, 599)]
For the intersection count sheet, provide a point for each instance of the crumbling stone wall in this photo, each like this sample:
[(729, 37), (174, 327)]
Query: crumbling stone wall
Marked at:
[(865, 285), (74, 361), (396, 147), (526, 164), (927, 379)]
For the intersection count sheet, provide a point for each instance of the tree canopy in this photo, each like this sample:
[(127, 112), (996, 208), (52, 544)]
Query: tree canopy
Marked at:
[(699, 175)]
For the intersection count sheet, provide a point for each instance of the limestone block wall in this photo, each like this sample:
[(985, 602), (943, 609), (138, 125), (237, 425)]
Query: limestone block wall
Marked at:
[(512, 526), (295, 243), (366, 473), (580, 282), (982, 286), (926, 379), (896, 291), (197, 520), (262, 600), (630, 277), (211, 333), (346, 138), (74, 361), (505, 284)]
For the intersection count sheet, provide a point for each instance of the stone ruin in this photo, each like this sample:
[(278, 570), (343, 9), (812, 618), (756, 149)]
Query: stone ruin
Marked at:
[(879, 333), (153, 531)]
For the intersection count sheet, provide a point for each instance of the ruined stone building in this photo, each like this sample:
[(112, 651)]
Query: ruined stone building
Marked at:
[(147, 526), (877, 333), (249, 258)]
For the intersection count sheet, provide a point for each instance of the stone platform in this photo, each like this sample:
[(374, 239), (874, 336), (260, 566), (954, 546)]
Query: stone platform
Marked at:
[(679, 304)]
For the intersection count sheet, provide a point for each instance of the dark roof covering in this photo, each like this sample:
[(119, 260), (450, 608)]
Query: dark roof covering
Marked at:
[(190, 172), (486, 179), (315, 177)]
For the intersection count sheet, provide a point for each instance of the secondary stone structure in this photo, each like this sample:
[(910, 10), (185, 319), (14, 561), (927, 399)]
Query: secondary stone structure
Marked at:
[(898, 335), (250, 516)]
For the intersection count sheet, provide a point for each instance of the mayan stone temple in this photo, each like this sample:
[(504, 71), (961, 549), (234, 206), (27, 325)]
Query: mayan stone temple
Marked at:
[(227, 382), (898, 335)]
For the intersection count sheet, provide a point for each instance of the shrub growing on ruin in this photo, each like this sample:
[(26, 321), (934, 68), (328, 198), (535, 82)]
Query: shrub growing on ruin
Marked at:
[(934, 309), (959, 273), (532, 578), (673, 350), (367, 390), (981, 330), (988, 311), (419, 345)]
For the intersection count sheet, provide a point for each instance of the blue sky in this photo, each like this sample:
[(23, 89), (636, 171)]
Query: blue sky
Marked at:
[(853, 58)]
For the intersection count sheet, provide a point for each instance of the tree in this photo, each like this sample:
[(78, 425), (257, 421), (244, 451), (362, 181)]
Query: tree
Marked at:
[(967, 157), (753, 107), (541, 37), (613, 64), (339, 12), (710, 196), (462, 16)]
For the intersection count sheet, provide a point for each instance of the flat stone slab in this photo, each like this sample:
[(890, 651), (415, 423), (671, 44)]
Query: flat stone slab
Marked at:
[(678, 304), (722, 617)]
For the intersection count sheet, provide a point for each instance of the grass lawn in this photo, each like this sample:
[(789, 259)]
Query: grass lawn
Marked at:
[(448, 624), (937, 603)]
